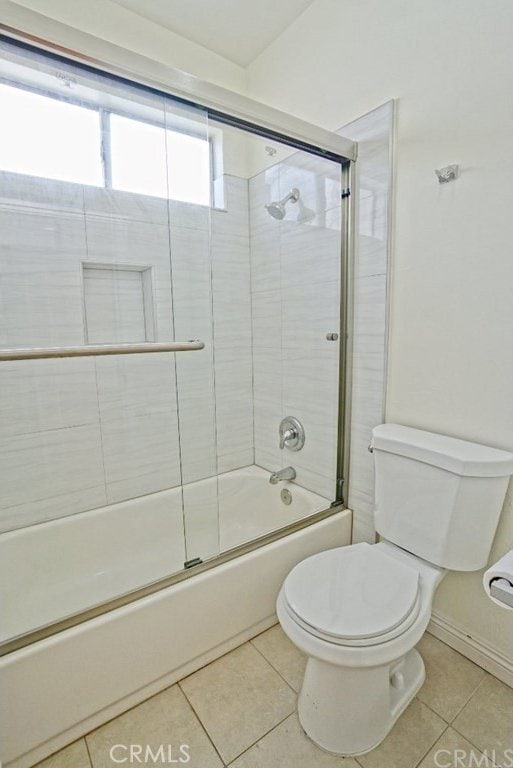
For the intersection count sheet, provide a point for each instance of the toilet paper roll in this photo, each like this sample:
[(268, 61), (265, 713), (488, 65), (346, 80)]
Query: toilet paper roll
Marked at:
[(498, 581)]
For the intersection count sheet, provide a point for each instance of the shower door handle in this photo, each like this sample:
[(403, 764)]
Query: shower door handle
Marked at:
[(95, 350)]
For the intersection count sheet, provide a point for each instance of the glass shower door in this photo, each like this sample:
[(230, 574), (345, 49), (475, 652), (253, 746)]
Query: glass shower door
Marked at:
[(191, 270), (129, 221), (94, 200), (276, 311)]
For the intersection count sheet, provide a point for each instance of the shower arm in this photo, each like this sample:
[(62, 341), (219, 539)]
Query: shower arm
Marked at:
[(292, 195), (95, 350)]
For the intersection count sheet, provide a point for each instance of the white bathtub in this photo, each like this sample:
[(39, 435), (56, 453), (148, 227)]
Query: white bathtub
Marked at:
[(249, 506), (52, 570), (57, 689)]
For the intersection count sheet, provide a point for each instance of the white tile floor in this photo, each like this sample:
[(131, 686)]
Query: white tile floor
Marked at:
[(240, 711)]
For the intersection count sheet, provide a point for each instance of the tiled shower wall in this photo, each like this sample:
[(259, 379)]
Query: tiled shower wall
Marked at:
[(79, 434), (374, 134), (84, 433), (295, 289)]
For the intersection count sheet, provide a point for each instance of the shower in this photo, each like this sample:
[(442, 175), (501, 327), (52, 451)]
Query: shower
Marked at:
[(277, 209), (117, 431)]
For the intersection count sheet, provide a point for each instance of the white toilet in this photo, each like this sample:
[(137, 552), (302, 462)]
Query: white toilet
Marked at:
[(358, 611)]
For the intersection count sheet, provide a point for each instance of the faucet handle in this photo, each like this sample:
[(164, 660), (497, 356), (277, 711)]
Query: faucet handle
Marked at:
[(292, 434), (288, 434)]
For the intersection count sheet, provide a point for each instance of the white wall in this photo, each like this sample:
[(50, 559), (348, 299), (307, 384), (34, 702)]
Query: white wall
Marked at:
[(109, 21), (450, 65)]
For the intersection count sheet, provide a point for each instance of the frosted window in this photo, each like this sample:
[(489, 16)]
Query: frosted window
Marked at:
[(150, 160), (188, 168), (41, 136), (138, 157)]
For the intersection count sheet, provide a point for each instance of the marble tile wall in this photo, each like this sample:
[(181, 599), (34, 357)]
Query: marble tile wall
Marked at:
[(295, 288), (78, 434), (374, 133)]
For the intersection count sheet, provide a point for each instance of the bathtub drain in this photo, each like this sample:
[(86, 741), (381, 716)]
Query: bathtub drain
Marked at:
[(286, 496)]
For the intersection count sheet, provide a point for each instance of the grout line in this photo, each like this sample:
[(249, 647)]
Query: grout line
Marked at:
[(479, 749), (428, 706), (88, 752), (272, 665), (213, 661), (480, 683), (262, 737), (431, 745), (100, 430), (95, 361), (123, 713), (200, 721)]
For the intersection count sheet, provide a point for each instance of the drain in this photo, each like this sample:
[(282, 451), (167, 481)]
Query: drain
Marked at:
[(286, 496)]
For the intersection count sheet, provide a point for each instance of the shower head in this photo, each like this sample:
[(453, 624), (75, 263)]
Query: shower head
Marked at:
[(277, 209)]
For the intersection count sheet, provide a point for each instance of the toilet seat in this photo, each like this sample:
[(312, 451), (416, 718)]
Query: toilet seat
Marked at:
[(355, 595)]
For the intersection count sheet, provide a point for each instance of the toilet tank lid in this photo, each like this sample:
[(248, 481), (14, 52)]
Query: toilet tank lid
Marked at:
[(458, 456)]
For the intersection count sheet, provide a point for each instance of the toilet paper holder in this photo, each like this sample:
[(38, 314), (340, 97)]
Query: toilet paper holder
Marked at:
[(502, 590)]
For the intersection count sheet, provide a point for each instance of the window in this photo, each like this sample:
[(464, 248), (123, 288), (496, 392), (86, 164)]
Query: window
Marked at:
[(40, 136), (43, 136), (189, 168), (153, 161), (138, 157)]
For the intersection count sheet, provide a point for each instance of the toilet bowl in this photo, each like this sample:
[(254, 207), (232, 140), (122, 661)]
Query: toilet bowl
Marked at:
[(358, 612)]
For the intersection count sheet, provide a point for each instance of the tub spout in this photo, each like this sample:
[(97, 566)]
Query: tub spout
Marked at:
[(289, 473)]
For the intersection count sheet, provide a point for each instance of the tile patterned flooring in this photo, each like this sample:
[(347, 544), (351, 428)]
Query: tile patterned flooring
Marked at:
[(240, 711)]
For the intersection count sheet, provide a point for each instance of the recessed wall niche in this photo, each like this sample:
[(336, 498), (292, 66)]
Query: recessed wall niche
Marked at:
[(118, 303)]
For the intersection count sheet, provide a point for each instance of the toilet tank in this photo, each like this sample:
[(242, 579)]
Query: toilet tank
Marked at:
[(438, 497)]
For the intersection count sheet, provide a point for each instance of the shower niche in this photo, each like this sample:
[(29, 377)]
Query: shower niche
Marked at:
[(118, 303)]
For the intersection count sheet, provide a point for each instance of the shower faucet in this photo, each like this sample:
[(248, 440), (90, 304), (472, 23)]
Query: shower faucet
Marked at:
[(292, 434), (289, 473), (286, 436)]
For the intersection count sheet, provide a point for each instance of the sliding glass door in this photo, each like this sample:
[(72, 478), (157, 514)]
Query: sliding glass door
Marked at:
[(170, 310)]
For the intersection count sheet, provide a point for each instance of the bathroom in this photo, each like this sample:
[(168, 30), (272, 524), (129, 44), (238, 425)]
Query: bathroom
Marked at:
[(300, 239)]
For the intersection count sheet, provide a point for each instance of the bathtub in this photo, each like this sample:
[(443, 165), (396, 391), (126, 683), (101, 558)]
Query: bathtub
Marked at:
[(72, 564), (60, 687)]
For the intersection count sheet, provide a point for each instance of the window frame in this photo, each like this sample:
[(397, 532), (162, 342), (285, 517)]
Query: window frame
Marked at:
[(104, 115)]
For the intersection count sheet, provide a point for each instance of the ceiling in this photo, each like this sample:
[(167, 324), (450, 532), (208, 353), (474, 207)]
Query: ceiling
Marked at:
[(239, 30)]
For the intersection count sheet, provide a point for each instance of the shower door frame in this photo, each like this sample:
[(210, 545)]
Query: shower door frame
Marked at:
[(237, 111)]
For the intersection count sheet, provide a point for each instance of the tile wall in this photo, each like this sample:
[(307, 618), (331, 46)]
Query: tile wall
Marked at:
[(295, 290), (261, 293), (79, 434), (374, 133)]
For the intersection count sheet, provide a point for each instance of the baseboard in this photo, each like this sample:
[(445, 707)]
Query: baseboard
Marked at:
[(475, 649)]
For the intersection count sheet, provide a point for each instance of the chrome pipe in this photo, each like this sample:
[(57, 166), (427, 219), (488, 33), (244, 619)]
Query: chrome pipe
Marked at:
[(95, 350)]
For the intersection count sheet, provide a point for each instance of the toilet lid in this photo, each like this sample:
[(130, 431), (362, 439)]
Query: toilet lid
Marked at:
[(352, 593)]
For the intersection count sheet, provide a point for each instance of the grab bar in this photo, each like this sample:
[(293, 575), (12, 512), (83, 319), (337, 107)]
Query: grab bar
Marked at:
[(93, 350)]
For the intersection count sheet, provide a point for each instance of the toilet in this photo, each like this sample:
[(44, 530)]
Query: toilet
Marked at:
[(358, 611)]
